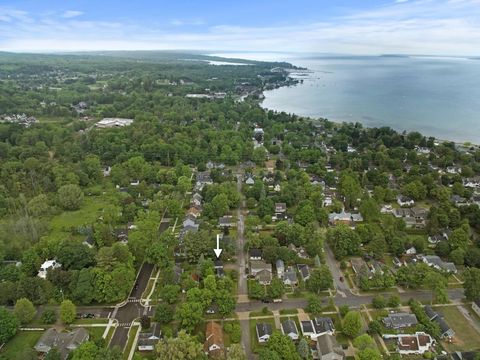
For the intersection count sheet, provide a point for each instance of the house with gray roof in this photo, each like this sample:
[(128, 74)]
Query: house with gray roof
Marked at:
[(289, 328), (289, 277), (264, 331), (445, 330), (327, 348), (400, 320), (304, 271), (148, 340), (64, 342), (264, 277), (437, 263)]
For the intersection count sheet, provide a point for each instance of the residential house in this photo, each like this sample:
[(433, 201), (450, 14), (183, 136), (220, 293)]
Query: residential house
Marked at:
[(300, 251), (226, 221), (435, 239), (214, 344), (148, 340), (280, 265), (289, 328), (317, 327), (270, 166), (405, 201), (218, 266), (46, 266), (290, 276), (327, 201), (358, 265), (89, 240), (464, 355), (64, 342), (203, 178), (445, 330), (409, 344), (327, 348), (437, 263), (343, 217), (264, 331), (189, 221), (194, 212), (400, 320), (264, 277), (458, 200), (281, 210), (411, 251), (249, 180), (259, 265), (304, 271), (255, 254), (197, 199)]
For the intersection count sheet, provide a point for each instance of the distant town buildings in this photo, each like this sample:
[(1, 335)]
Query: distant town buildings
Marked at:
[(20, 119)]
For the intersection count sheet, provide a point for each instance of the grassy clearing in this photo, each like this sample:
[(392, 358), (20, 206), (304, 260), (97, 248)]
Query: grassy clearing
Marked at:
[(261, 313), (466, 337), (90, 321), (62, 224), (131, 338), (288, 312), (23, 340)]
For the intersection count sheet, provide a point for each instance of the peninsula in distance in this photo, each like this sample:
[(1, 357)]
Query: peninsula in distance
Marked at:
[(267, 180)]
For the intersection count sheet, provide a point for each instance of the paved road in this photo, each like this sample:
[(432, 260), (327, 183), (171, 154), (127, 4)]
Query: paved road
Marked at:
[(242, 290), (241, 261), (334, 267), (354, 301), (132, 309)]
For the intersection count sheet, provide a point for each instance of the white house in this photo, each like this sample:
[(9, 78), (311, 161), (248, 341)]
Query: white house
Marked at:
[(264, 331), (47, 265), (411, 251), (409, 344), (405, 201)]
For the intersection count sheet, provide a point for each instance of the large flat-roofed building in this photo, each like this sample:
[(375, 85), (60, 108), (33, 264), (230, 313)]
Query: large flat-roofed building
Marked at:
[(113, 122)]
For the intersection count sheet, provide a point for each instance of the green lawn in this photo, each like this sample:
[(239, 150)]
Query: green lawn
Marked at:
[(23, 340), (466, 337), (131, 338), (61, 225), (90, 321), (288, 311)]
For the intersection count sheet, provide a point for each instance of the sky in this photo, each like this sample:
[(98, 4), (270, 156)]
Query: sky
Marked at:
[(370, 27)]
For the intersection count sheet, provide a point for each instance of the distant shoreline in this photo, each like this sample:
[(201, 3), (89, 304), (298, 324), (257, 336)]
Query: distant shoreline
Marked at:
[(408, 125)]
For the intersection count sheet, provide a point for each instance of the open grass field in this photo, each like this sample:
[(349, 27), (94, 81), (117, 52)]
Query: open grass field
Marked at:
[(23, 340), (61, 225), (466, 337)]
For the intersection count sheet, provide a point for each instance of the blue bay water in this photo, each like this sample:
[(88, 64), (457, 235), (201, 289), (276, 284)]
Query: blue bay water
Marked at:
[(437, 96)]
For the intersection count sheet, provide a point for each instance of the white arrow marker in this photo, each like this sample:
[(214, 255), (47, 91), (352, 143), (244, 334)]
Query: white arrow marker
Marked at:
[(218, 251)]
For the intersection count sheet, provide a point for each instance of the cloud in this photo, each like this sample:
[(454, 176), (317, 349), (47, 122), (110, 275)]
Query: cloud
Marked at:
[(430, 27), (183, 22), (71, 14)]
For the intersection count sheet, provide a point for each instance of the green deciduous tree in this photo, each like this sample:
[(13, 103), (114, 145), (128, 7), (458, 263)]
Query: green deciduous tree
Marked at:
[(352, 324), (472, 283), (24, 311), (68, 311), (70, 197), (182, 347), (320, 279), (8, 325), (343, 240)]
